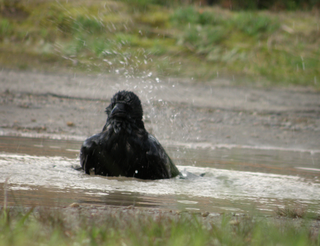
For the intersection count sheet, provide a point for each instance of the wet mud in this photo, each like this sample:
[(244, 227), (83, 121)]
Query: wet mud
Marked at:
[(177, 110)]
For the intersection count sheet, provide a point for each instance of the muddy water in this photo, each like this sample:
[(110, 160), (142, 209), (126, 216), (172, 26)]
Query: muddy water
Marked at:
[(37, 171)]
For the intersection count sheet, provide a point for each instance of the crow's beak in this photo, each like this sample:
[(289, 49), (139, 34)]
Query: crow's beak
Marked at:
[(119, 111)]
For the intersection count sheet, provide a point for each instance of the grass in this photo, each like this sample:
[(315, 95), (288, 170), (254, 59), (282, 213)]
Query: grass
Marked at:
[(168, 40), (130, 226)]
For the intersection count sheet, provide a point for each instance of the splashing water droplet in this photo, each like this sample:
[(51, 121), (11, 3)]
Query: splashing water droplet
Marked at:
[(107, 61)]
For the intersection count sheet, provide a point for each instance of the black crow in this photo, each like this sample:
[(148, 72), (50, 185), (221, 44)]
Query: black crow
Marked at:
[(124, 147)]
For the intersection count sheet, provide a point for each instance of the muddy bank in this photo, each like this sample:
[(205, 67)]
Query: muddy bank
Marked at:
[(175, 110)]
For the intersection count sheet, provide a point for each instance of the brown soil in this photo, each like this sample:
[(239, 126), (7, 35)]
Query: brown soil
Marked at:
[(176, 110)]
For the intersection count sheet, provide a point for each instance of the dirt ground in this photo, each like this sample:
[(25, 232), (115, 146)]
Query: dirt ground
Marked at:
[(70, 105)]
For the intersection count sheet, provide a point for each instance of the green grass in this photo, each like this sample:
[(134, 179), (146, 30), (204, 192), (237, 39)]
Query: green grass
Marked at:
[(123, 226), (5, 28), (168, 40)]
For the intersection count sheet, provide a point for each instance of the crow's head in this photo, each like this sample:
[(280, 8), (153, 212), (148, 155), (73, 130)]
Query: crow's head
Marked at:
[(125, 109)]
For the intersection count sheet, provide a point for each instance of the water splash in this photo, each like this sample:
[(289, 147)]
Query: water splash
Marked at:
[(23, 171)]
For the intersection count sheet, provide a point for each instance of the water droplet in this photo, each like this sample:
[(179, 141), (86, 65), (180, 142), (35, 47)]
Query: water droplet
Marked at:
[(107, 61)]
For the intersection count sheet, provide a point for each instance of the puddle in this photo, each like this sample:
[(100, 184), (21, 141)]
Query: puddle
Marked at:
[(237, 179)]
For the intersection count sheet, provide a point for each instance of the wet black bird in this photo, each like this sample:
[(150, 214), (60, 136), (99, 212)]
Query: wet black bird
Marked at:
[(124, 147)]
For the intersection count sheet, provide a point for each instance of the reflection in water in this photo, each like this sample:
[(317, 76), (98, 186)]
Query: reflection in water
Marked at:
[(41, 173)]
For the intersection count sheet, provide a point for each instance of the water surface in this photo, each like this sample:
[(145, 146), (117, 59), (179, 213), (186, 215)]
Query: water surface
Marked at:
[(237, 178)]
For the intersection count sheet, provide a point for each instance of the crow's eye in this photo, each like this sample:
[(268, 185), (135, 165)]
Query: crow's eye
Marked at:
[(127, 108)]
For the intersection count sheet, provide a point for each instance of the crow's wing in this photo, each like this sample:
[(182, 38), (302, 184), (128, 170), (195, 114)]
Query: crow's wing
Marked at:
[(100, 152), (157, 156), (88, 152)]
